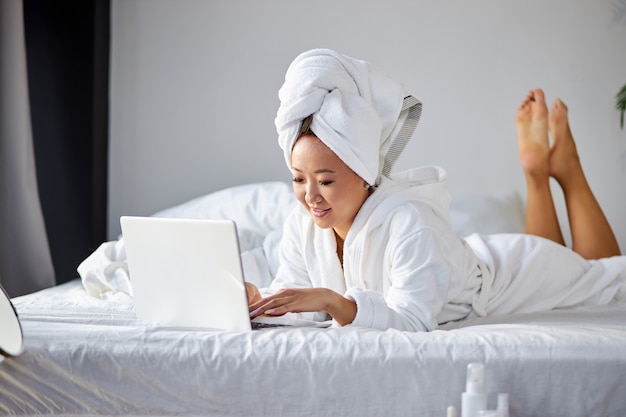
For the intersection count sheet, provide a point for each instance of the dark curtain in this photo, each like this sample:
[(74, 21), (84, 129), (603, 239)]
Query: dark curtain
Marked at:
[(67, 55)]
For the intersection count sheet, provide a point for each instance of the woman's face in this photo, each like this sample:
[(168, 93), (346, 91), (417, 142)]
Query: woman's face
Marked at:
[(330, 191)]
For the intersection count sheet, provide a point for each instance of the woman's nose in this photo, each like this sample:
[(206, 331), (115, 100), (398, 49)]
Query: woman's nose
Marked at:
[(312, 196)]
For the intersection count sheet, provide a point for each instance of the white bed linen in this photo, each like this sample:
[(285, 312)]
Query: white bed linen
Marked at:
[(85, 356)]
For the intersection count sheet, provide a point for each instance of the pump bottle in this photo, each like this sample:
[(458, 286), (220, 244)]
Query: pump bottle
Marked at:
[(474, 399)]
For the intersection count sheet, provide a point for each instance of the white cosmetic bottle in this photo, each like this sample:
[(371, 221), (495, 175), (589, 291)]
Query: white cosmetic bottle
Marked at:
[(474, 399)]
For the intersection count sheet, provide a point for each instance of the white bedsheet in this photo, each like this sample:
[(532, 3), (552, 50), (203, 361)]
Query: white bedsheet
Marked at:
[(85, 356)]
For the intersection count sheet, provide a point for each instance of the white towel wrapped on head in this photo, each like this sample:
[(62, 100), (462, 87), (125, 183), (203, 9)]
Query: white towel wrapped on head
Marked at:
[(356, 109)]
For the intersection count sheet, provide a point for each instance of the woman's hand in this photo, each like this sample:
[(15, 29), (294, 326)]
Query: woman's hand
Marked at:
[(301, 300), (254, 295)]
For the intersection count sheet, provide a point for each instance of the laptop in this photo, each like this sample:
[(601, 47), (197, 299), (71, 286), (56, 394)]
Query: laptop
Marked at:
[(188, 273)]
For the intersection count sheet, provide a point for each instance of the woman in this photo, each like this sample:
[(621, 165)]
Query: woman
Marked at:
[(373, 249)]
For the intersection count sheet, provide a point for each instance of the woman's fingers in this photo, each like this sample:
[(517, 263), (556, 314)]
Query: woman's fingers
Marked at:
[(291, 301), (267, 306), (301, 300)]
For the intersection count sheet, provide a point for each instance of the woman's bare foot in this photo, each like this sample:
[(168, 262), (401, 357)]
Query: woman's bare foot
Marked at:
[(563, 154), (531, 121), (592, 236)]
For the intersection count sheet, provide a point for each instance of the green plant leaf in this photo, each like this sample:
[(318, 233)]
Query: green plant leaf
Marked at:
[(620, 104)]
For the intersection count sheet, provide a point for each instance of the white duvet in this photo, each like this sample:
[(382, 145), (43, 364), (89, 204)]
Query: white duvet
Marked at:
[(85, 356)]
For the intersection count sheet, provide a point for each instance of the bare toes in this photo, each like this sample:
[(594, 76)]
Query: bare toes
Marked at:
[(558, 117), (532, 133), (563, 154)]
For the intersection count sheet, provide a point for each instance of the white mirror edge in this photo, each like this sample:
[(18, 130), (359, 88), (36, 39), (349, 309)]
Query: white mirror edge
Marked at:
[(11, 336)]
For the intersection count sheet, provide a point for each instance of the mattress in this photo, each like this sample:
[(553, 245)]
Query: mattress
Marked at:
[(87, 356)]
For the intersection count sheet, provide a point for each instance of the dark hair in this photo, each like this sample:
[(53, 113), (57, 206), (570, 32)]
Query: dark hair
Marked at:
[(305, 127)]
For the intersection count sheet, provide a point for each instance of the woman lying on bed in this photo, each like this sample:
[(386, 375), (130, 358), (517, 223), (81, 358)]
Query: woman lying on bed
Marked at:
[(373, 249)]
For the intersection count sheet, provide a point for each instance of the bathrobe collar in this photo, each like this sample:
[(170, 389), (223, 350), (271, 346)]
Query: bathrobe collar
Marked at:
[(427, 184)]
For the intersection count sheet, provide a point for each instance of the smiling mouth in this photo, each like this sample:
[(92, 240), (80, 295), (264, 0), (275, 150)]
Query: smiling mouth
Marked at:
[(318, 212)]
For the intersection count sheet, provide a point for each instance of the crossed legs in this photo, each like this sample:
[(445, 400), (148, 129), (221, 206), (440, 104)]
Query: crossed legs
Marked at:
[(592, 236)]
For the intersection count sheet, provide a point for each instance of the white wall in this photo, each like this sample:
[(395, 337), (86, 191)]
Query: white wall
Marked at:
[(194, 88)]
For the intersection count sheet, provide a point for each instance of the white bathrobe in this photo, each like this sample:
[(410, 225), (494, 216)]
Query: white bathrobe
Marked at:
[(406, 269)]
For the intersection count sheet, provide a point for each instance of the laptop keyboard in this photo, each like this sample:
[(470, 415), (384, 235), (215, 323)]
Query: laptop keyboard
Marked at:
[(257, 325)]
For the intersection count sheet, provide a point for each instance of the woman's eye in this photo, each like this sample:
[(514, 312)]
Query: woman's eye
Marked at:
[(297, 180), (326, 182)]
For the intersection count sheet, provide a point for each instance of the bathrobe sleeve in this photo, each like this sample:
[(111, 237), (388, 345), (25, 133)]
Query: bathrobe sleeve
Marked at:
[(292, 271), (293, 260), (415, 266)]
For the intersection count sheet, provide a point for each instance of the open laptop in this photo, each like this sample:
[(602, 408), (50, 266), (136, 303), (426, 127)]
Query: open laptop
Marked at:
[(188, 272)]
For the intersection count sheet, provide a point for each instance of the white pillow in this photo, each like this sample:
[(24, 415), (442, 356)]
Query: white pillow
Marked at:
[(257, 209), (261, 208), (487, 215)]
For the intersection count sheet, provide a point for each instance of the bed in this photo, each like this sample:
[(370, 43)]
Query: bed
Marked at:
[(89, 355)]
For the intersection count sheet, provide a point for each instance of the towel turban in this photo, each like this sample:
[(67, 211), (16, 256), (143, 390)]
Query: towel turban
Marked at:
[(362, 115)]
